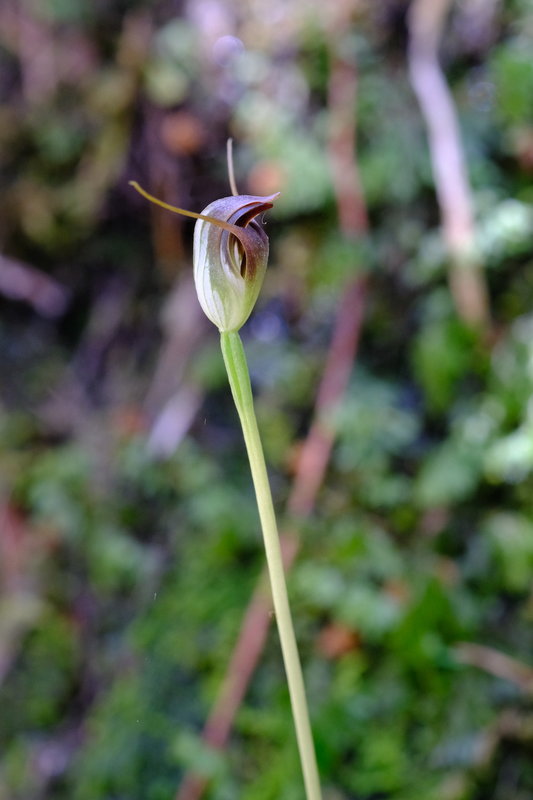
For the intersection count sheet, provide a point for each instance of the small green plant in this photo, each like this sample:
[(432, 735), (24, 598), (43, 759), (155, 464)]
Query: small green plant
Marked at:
[(230, 258)]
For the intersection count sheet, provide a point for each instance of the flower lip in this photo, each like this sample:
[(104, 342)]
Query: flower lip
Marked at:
[(245, 217), (238, 213), (249, 210)]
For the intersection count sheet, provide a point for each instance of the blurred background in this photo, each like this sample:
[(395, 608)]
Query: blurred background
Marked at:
[(391, 354)]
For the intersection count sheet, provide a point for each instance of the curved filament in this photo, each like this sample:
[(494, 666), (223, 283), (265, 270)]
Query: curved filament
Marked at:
[(227, 226)]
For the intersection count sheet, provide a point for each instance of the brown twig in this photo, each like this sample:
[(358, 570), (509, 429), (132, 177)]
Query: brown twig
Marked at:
[(173, 397), (467, 283), (37, 55), (316, 450), (496, 663), (20, 603), (20, 281), (67, 403)]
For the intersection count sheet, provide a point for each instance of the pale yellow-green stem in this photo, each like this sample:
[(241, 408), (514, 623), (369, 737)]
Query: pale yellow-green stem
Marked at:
[(237, 368)]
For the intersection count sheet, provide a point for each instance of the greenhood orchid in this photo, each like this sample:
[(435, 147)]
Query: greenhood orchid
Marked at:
[(230, 255)]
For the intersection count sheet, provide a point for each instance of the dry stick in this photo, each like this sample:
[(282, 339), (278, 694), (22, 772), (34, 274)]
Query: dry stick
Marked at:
[(20, 281), (316, 449), (496, 663), (467, 283)]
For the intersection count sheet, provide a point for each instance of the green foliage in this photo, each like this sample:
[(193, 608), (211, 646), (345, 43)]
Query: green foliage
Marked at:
[(511, 539), (443, 354), (513, 74)]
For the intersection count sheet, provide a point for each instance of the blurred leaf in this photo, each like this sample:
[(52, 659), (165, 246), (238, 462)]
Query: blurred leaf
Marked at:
[(450, 474), (511, 536), (513, 75), (442, 354)]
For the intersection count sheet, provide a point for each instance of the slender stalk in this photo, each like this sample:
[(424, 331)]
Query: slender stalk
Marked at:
[(239, 379)]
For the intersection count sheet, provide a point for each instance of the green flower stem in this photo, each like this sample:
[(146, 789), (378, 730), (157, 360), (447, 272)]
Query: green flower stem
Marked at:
[(239, 379)]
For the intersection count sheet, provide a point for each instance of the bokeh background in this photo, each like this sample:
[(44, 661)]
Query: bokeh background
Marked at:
[(392, 359)]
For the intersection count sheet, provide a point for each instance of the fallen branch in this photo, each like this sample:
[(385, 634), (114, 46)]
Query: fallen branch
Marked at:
[(20, 281), (467, 283), (495, 663)]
